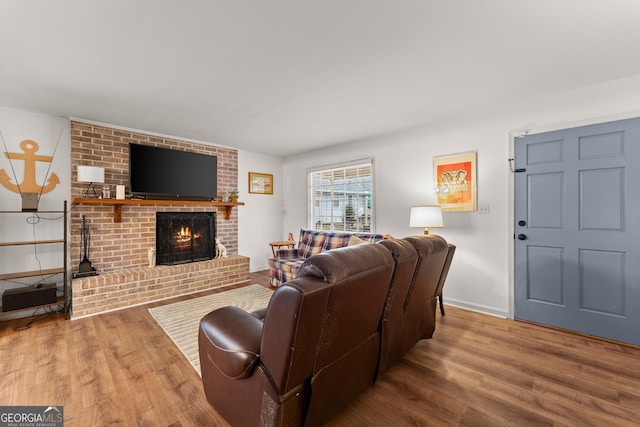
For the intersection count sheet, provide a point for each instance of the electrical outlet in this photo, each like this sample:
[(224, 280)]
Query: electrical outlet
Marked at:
[(483, 209)]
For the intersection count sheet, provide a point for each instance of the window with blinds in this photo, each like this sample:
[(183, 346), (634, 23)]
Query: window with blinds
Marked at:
[(341, 197)]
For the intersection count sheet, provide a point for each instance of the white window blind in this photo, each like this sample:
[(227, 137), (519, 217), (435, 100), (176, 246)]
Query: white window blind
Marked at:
[(341, 197)]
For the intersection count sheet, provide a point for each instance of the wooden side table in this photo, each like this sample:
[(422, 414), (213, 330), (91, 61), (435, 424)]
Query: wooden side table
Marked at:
[(275, 246)]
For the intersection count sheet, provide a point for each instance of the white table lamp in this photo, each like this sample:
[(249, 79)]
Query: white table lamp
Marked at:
[(427, 217), (92, 175)]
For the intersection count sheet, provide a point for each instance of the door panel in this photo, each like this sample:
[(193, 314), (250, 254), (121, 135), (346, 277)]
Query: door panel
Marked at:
[(547, 190), (597, 267), (545, 281), (601, 199), (577, 250)]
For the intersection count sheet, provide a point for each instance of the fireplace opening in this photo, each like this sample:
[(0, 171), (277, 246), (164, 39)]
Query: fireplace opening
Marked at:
[(183, 237)]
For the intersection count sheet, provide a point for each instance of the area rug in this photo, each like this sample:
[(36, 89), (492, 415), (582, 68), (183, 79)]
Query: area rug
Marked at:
[(181, 320)]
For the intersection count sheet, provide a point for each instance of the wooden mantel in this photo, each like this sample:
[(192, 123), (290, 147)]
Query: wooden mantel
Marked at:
[(118, 203)]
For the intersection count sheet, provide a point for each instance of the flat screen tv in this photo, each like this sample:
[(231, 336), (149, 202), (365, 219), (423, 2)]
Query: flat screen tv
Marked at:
[(161, 173)]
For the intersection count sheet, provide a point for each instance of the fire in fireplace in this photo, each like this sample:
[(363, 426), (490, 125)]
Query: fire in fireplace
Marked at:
[(183, 237)]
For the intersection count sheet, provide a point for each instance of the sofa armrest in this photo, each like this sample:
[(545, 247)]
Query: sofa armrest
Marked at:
[(235, 337), (288, 253)]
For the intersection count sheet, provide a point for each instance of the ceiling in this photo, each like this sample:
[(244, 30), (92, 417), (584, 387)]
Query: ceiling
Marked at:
[(288, 76)]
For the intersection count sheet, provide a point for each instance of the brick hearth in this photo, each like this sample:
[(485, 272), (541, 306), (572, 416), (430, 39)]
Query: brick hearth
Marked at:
[(115, 290)]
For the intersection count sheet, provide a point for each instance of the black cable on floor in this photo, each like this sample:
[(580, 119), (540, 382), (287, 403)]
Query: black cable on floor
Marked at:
[(37, 317)]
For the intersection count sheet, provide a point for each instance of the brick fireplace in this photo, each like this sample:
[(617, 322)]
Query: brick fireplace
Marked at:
[(119, 250)]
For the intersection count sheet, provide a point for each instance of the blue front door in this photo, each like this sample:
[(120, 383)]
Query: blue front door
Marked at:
[(577, 229)]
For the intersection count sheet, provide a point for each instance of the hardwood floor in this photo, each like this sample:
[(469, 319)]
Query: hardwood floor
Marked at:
[(120, 368)]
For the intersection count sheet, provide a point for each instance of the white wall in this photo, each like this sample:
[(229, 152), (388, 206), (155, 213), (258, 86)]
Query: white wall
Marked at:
[(260, 219), (17, 126), (480, 277)]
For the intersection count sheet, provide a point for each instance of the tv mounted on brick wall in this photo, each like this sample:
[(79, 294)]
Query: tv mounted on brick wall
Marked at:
[(161, 173)]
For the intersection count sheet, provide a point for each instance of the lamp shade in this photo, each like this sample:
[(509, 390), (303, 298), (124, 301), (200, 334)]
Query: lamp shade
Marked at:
[(90, 174), (426, 216)]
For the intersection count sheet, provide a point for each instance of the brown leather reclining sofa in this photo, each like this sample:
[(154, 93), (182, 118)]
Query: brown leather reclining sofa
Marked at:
[(325, 336)]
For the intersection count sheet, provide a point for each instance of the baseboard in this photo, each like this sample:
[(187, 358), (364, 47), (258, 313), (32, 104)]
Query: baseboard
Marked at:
[(475, 307), (259, 268)]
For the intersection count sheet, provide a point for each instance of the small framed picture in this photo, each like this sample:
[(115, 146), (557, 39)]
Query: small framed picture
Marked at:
[(260, 183), (455, 181)]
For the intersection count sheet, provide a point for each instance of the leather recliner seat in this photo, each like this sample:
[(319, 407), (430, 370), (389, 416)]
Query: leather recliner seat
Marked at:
[(325, 336), (316, 348)]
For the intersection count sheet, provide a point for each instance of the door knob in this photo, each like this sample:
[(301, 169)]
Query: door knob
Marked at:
[(522, 223), (522, 236)]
